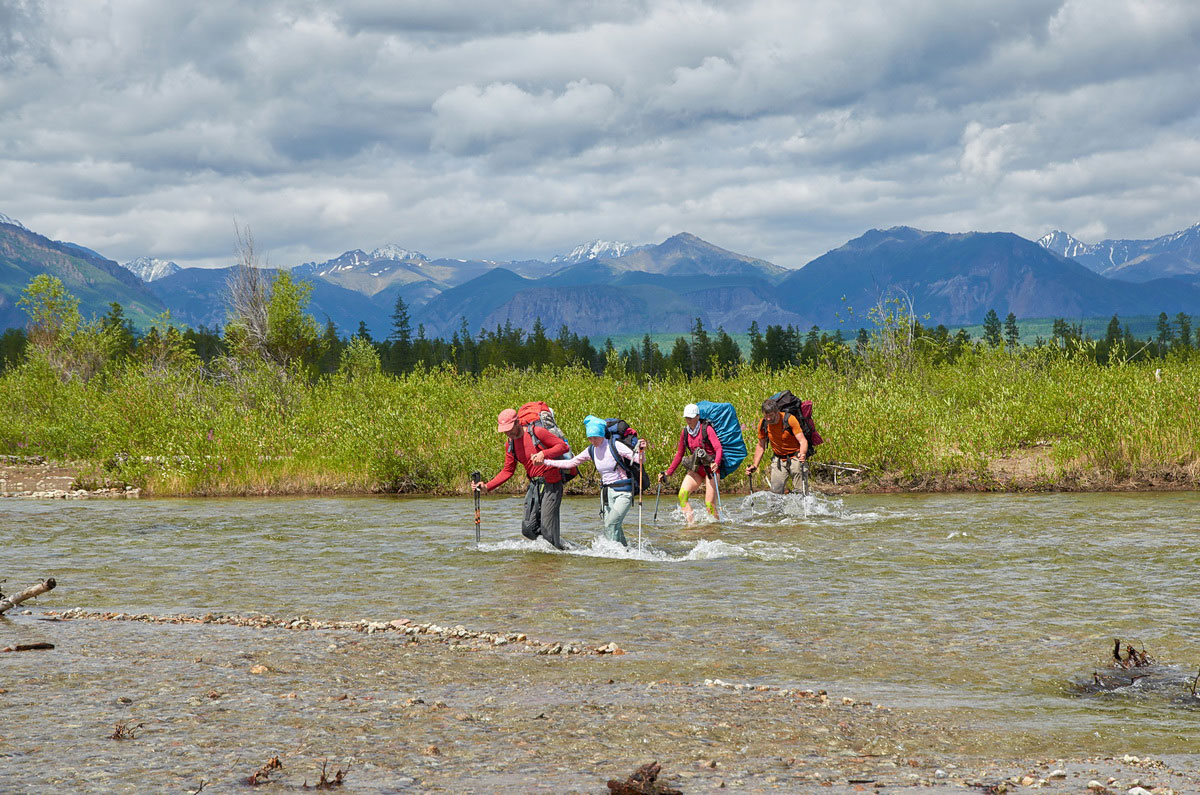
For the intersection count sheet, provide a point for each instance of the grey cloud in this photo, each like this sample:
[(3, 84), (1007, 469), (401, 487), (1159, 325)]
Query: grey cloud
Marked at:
[(22, 42), (462, 19), (470, 129)]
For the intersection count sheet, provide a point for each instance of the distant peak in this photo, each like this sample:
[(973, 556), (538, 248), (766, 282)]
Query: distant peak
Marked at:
[(1062, 243), (596, 249), (4, 219), (394, 252), (149, 269)]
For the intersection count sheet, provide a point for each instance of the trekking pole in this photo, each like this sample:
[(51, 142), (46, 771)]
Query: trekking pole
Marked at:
[(475, 478), (717, 487), (804, 477), (639, 491), (750, 480), (657, 497)]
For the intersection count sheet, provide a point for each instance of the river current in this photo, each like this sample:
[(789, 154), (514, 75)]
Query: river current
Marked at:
[(996, 606)]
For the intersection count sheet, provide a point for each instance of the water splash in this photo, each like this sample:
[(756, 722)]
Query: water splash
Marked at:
[(763, 508), (686, 552)]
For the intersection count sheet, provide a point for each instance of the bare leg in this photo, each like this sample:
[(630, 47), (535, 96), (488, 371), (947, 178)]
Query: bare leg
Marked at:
[(690, 484), (710, 496)]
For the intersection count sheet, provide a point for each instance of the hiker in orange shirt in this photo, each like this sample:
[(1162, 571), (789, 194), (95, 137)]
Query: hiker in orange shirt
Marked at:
[(788, 445)]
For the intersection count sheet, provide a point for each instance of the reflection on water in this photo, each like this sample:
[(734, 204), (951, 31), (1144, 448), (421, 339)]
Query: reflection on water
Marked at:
[(997, 603)]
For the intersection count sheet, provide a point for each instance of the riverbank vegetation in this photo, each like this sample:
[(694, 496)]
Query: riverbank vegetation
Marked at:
[(917, 410)]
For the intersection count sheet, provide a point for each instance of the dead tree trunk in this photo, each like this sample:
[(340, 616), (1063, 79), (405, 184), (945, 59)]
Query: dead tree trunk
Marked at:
[(9, 602)]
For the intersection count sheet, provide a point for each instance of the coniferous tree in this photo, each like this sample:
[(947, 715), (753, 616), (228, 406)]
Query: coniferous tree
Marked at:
[(121, 330), (331, 349), (681, 356), (702, 350), (12, 348), (1012, 334), (539, 345), (401, 338), (991, 329), (728, 354), (758, 346), (206, 342), (1185, 330), (1164, 332)]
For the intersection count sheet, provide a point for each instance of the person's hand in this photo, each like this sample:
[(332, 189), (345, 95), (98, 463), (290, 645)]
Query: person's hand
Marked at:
[(662, 477), (479, 486), (641, 444), (715, 466), (751, 469), (537, 457)]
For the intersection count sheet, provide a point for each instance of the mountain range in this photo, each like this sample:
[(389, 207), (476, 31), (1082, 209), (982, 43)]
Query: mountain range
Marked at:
[(607, 287), (1176, 254), (90, 277)]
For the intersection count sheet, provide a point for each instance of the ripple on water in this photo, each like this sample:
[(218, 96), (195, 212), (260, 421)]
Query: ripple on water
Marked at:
[(915, 599)]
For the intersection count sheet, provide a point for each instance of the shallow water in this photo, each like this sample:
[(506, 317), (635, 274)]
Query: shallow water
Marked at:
[(992, 606)]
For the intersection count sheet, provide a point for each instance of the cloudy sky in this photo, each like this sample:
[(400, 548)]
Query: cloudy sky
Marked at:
[(519, 129)]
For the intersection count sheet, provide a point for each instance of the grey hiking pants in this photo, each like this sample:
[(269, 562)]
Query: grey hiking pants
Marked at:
[(781, 470), (542, 501), (616, 505)]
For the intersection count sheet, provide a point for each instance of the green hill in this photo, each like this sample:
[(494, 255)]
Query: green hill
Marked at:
[(95, 281)]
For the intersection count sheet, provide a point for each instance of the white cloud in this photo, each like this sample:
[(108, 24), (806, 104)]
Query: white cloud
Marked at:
[(777, 128), (469, 119)]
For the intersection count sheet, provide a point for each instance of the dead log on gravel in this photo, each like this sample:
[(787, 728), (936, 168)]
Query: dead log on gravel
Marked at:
[(9, 602), (27, 647), (644, 781)]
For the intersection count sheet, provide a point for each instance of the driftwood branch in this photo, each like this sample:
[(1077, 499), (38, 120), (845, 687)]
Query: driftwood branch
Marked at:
[(9, 602), (644, 781), (28, 647)]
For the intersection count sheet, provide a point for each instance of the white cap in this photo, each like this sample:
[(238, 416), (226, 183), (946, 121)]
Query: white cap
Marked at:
[(691, 410)]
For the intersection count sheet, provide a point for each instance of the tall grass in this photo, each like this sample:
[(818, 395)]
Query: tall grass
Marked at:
[(258, 431)]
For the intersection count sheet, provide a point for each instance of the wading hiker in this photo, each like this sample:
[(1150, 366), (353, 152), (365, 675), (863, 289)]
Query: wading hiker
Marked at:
[(788, 444), (619, 468), (703, 459), (543, 498)]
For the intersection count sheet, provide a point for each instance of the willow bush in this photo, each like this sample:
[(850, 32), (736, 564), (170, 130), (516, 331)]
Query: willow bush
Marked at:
[(259, 428)]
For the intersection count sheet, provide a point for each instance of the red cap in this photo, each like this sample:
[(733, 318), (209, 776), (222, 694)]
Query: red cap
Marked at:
[(506, 421)]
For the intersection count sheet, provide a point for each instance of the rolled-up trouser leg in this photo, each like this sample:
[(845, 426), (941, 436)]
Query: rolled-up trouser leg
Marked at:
[(551, 502), (531, 522), (781, 470), (618, 505)]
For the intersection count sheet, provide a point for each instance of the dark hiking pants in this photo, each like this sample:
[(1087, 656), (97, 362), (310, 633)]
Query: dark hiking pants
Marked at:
[(542, 501)]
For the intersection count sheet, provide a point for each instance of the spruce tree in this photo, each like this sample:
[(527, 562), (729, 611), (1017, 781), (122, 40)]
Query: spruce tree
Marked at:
[(1012, 334), (991, 329)]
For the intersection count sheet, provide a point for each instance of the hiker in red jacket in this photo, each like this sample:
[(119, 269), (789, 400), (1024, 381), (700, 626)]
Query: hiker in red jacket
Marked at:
[(544, 495)]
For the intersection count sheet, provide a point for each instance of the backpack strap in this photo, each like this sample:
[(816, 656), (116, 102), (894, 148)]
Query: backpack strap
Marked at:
[(620, 461)]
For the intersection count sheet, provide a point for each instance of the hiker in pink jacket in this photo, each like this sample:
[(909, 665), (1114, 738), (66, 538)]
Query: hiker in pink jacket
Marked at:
[(699, 441)]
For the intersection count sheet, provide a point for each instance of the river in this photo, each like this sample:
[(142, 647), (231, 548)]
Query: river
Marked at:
[(994, 610)]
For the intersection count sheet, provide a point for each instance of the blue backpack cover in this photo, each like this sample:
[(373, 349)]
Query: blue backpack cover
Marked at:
[(724, 420)]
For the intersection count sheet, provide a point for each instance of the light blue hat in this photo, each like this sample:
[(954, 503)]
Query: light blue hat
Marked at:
[(594, 426)]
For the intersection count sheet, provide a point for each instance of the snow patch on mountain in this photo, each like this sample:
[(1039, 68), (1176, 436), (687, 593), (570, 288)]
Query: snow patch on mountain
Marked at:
[(149, 269), (1174, 254), (4, 219), (392, 251), (1061, 243), (597, 249)]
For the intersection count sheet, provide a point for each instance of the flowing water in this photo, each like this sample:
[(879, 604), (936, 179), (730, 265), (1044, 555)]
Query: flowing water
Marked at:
[(995, 609)]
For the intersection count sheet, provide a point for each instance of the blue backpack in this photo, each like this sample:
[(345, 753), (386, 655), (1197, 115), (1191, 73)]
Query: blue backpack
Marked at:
[(724, 420)]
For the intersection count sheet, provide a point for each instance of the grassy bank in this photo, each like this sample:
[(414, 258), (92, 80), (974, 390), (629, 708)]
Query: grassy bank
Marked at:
[(1059, 422)]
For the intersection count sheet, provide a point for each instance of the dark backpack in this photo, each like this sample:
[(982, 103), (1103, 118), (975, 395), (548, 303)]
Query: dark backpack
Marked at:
[(538, 415), (618, 430), (802, 411)]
